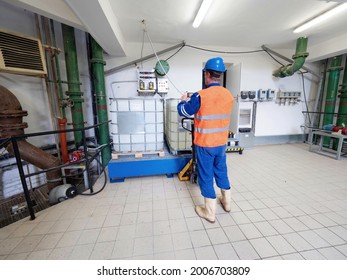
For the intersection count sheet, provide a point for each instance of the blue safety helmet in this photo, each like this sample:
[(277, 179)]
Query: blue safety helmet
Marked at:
[(215, 64)]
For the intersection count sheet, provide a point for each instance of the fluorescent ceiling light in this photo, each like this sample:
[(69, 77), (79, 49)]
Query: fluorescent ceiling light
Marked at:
[(202, 12), (322, 17)]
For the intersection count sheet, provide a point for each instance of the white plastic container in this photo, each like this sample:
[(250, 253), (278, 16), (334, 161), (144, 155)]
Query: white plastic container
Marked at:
[(137, 124), (177, 138)]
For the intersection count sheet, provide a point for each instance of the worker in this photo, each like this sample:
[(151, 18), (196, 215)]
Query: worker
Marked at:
[(212, 109)]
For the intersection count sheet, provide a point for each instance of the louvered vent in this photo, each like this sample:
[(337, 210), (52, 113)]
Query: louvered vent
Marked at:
[(21, 55)]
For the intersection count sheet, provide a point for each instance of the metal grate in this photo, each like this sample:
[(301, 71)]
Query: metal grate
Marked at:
[(21, 55), (344, 148), (15, 208)]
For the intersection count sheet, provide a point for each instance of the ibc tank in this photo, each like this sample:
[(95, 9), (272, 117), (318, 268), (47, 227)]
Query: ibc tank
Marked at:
[(177, 138), (137, 124)]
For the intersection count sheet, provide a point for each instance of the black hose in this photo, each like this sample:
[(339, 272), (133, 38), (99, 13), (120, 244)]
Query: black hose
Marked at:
[(103, 187)]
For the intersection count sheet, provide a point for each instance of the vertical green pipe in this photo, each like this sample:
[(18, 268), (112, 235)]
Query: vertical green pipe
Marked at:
[(97, 64), (321, 93), (74, 91), (342, 119), (331, 94), (342, 111)]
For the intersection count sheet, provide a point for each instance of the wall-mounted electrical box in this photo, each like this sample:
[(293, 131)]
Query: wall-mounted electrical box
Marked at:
[(261, 95), (163, 85), (252, 95), (147, 84), (270, 94), (248, 95), (288, 97), (243, 95)]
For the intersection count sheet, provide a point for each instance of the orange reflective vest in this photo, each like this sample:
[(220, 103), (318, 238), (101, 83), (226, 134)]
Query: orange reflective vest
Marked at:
[(213, 118)]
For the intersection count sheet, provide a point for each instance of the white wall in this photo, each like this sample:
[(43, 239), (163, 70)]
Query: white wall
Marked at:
[(185, 75)]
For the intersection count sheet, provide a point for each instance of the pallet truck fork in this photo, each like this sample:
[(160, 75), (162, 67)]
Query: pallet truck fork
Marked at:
[(190, 170)]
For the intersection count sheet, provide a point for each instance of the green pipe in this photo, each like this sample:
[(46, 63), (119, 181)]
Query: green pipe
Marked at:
[(74, 91), (321, 93), (342, 119), (342, 111), (97, 64), (299, 60), (331, 93)]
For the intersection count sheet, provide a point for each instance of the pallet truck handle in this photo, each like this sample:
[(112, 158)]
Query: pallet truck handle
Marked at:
[(182, 123), (192, 165)]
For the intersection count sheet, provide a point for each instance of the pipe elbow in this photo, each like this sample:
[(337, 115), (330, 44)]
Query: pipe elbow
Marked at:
[(290, 69), (299, 60)]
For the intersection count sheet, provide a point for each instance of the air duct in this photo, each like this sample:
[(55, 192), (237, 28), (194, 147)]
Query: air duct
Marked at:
[(11, 124), (299, 60)]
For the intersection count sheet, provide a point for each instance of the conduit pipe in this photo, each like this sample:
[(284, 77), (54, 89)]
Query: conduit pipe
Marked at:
[(331, 94), (299, 60), (74, 91), (11, 125), (97, 64), (136, 61)]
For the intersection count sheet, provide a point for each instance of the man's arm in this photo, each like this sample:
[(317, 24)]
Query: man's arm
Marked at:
[(188, 107)]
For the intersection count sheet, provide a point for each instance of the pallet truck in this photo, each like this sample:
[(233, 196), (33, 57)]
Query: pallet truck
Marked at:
[(190, 170)]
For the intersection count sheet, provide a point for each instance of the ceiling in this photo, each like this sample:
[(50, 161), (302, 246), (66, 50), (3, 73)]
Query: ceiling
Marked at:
[(243, 24)]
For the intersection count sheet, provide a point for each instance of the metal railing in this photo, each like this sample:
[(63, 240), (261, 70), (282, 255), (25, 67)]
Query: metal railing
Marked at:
[(86, 160)]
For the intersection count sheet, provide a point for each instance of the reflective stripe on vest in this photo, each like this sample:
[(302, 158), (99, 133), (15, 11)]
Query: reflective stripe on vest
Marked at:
[(213, 117), (211, 130)]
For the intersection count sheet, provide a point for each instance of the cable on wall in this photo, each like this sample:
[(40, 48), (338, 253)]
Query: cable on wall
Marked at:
[(304, 93), (274, 58), (225, 52)]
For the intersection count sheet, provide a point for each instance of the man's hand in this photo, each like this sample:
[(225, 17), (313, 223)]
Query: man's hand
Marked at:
[(184, 96)]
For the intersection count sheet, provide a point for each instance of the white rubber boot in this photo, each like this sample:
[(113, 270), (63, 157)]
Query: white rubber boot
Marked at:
[(209, 211), (225, 200)]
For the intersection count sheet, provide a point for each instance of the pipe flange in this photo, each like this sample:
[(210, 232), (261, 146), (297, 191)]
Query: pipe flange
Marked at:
[(300, 54), (9, 130), (96, 60), (13, 113), (74, 93), (334, 68)]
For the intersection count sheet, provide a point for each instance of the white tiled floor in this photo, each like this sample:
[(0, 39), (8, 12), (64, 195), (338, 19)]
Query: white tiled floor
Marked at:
[(287, 203)]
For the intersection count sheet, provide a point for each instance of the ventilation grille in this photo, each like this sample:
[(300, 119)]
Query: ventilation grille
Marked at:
[(21, 55)]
